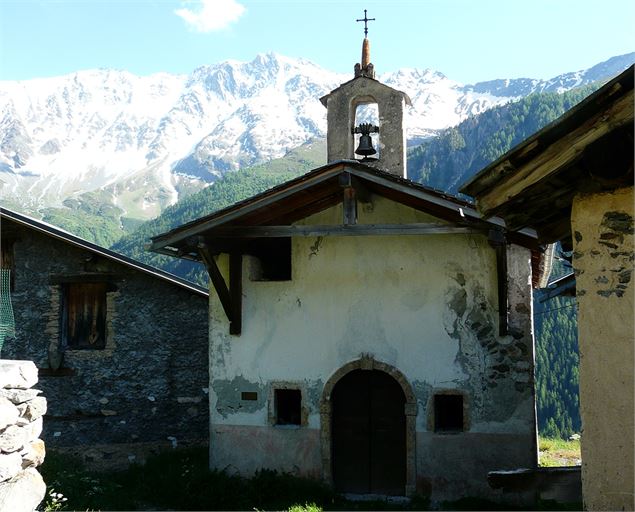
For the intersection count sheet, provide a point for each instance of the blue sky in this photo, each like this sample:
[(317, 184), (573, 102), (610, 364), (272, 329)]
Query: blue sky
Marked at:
[(467, 40)]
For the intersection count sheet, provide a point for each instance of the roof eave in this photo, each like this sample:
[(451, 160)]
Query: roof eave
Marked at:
[(498, 171)]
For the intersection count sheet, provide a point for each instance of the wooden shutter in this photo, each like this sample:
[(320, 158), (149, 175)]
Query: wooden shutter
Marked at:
[(85, 315)]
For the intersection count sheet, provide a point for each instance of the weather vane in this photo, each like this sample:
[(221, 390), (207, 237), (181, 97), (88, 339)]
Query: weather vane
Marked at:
[(366, 19)]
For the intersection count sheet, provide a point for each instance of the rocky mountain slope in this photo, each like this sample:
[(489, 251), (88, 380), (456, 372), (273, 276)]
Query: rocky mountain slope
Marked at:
[(137, 144)]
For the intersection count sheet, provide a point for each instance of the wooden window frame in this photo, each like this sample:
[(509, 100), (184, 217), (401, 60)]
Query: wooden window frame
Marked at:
[(74, 294)]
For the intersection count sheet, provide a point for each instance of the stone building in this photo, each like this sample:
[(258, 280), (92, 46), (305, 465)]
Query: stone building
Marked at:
[(119, 345), (573, 183), (364, 329)]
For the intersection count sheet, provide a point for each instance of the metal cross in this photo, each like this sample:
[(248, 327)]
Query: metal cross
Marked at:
[(366, 19)]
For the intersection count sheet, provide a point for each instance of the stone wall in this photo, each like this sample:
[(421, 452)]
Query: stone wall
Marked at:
[(147, 389), (604, 251), (21, 450)]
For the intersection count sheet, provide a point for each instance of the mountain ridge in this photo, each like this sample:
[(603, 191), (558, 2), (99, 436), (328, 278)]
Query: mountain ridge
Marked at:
[(140, 143)]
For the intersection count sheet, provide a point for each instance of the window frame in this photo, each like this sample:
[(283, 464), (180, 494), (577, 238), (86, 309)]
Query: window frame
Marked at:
[(272, 261), (272, 404), (432, 416), (98, 316)]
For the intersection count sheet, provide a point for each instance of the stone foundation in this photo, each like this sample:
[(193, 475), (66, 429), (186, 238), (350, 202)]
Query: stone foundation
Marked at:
[(21, 450), (115, 457)]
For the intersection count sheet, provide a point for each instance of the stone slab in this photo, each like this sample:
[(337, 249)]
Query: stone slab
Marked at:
[(10, 465), (17, 374), (22, 493)]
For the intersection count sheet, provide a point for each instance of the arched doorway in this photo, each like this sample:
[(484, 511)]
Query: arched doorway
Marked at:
[(368, 434)]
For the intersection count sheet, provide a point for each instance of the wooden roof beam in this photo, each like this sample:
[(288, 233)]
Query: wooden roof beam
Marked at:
[(339, 230), (230, 297)]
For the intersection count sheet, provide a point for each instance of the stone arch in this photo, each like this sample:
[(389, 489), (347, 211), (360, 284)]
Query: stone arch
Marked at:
[(368, 362)]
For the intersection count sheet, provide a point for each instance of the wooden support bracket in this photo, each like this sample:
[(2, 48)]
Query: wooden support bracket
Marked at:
[(230, 298)]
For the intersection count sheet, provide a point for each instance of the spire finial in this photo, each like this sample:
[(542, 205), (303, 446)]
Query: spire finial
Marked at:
[(365, 19), (365, 68)]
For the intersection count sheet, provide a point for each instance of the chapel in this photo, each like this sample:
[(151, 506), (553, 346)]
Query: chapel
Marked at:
[(364, 329)]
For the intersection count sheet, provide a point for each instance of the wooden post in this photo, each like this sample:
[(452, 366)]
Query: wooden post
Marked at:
[(349, 201), (498, 241), (236, 292)]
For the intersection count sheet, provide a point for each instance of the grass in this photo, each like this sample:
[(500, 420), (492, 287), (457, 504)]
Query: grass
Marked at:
[(180, 480), (558, 452)]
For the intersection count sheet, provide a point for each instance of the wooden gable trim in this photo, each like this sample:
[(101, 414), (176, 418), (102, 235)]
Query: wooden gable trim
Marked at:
[(256, 210), (273, 214), (459, 212), (233, 214)]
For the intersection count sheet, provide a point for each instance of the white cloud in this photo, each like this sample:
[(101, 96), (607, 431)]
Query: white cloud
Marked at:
[(212, 15)]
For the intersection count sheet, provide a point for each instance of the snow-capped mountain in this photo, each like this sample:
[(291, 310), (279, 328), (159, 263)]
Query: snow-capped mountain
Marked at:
[(141, 141)]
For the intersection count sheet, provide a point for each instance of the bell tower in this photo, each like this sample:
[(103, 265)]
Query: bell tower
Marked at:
[(381, 144)]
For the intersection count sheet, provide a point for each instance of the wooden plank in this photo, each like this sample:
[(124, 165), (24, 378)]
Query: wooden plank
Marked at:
[(236, 292), (85, 315), (218, 281), (349, 207), (339, 230)]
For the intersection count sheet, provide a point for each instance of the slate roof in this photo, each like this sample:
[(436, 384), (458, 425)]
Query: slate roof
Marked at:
[(65, 236)]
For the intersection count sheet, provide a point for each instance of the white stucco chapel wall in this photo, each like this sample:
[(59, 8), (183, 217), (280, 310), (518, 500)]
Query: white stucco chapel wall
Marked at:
[(424, 304)]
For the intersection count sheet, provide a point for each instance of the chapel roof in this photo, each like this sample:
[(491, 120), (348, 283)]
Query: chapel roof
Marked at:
[(318, 190)]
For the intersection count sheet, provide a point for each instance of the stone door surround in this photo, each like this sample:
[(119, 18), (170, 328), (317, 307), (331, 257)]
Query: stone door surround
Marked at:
[(368, 362)]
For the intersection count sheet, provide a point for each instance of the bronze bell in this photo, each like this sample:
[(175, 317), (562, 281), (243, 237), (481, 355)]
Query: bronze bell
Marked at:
[(365, 147)]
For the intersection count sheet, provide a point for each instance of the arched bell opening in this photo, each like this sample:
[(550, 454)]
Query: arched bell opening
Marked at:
[(365, 130)]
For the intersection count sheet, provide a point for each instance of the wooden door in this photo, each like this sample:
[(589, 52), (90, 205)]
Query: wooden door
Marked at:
[(369, 434)]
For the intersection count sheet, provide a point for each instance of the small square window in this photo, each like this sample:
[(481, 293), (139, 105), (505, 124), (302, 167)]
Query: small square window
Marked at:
[(448, 413), (84, 316), (288, 406), (272, 261)]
